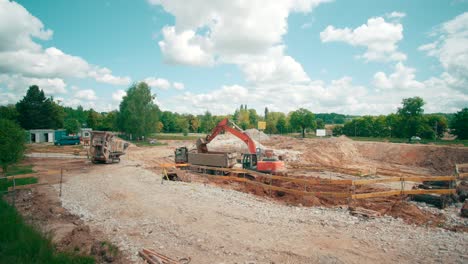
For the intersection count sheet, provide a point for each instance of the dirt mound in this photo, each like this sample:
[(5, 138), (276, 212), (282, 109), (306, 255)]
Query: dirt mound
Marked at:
[(257, 134), (441, 159), (398, 208), (371, 156)]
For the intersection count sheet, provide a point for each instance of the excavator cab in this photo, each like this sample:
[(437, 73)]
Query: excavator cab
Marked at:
[(249, 161)]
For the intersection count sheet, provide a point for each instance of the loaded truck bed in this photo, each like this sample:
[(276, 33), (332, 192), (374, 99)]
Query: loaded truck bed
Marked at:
[(214, 159)]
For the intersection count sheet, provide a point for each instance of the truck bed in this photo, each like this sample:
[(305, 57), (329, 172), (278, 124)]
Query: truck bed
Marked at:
[(214, 159)]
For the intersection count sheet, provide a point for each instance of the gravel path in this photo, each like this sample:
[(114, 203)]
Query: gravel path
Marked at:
[(213, 225)]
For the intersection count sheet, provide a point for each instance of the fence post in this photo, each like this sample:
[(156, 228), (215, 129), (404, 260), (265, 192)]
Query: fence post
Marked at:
[(61, 177)]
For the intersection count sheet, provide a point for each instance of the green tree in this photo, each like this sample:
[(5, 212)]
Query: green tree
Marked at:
[(36, 111), (138, 114), (72, 126), (302, 119), (338, 130), (12, 139), (281, 124), (437, 123), (266, 113), (109, 121), (320, 123), (253, 118), (183, 124), (169, 121), (411, 114), (9, 112), (460, 124), (207, 122), (93, 119)]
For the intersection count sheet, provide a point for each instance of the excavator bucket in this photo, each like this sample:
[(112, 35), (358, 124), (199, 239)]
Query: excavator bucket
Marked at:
[(201, 145)]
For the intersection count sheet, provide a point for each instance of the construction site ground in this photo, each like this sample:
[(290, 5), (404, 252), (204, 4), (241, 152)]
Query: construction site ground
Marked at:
[(219, 221)]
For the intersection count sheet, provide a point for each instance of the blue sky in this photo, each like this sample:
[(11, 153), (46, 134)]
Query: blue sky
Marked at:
[(352, 57)]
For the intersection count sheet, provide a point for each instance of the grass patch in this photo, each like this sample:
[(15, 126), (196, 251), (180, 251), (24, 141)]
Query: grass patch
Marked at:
[(147, 144), (4, 183), (19, 169), (21, 243), (175, 137)]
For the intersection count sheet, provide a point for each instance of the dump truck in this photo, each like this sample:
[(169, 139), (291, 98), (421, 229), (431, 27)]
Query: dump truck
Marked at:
[(106, 147), (213, 159)]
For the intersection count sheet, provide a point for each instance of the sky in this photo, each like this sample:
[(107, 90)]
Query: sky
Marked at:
[(357, 57)]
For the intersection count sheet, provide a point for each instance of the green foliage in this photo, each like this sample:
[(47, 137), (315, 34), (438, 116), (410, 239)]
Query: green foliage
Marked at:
[(19, 169), (337, 130), (77, 114), (4, 183), (320, 123), (169, 121), (281, 124), (138, 114), (460, 124), (20, 243), (36, 111), (93, 119), (332, 118), (302, 119), (9, 112), (72, 126), (12, 139), (411, 114), (108, 121), (207, 122)]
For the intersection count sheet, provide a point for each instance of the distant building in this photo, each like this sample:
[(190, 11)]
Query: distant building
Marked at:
[(44, 135), (85, 132)]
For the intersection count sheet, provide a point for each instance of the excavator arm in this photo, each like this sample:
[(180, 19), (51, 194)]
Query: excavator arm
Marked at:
[(226, 126)]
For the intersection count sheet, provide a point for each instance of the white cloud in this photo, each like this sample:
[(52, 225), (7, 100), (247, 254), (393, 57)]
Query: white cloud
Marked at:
[(396, 14), (178, 86), (118, 95), (87, 94), (273, 67), (19, 54), (185, 48), (451, 48), (158, 83), (104, 75), (19, 84), (18, 35), (378, 36), (402, 78), (208, 32)]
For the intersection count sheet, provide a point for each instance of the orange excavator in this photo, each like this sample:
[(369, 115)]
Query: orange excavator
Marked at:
[(256, 160)]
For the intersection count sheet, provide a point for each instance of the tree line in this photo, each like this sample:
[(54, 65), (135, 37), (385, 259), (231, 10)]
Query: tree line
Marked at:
[(138, 116)]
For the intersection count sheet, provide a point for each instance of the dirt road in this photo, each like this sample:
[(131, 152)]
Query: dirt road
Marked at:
[(212, 225)]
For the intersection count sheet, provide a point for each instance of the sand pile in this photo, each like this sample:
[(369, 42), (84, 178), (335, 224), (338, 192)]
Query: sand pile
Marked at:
[(257, 134), (230, 143)]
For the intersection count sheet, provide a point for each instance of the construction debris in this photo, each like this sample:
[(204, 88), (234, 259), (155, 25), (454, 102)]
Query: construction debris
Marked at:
[(359, 211), (153, 257), (464, 210)]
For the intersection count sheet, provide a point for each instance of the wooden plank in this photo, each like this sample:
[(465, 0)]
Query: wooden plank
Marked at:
[(463, 175), (399, 192), (375, 194), (430, 191), (432, 178), (22, 176), (21, 187), (464, 165), (373, 181)]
